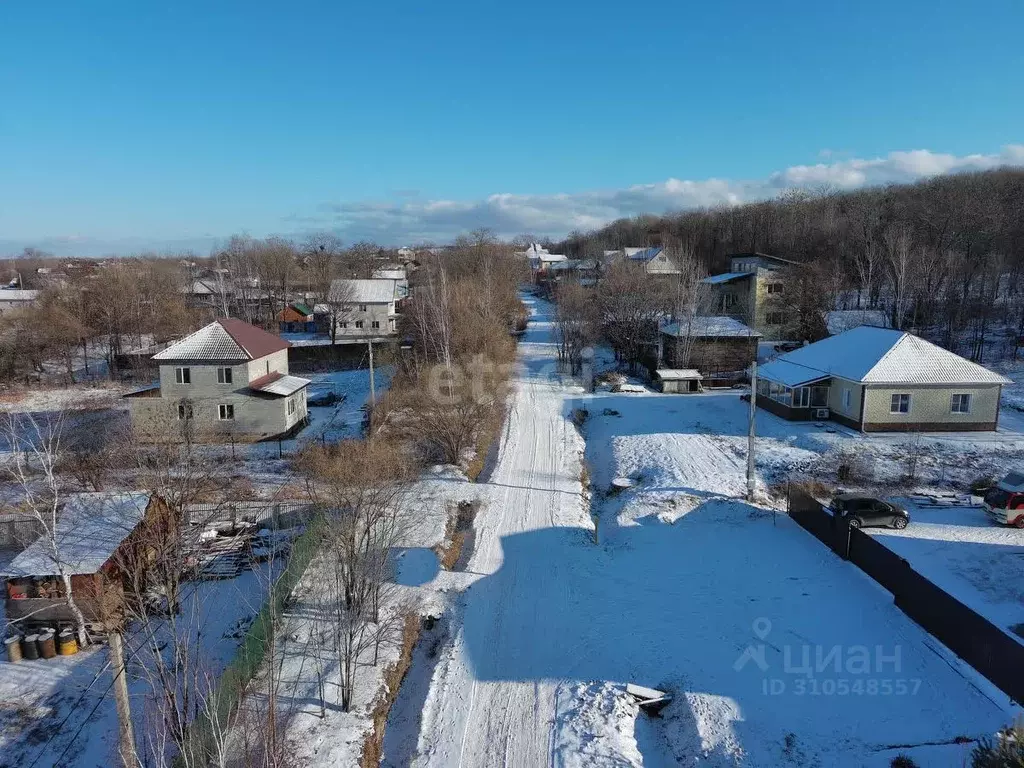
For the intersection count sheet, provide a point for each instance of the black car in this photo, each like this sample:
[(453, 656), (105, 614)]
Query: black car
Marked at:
[(862, 510)]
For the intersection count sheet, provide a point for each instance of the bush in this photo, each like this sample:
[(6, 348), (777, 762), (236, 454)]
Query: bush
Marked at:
[(903, 761), (1005, 751)]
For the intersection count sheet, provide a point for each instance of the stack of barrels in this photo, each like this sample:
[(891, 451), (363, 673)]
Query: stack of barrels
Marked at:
[(42, 644)]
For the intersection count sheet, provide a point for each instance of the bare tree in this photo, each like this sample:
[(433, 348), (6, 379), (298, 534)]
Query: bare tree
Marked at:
[(900, 264)]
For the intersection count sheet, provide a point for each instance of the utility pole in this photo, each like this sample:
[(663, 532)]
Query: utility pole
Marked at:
[(373, 389), (126, 735), (750, 430)]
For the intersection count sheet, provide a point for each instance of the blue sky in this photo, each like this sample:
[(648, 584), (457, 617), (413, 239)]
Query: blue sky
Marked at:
[(126, 125)]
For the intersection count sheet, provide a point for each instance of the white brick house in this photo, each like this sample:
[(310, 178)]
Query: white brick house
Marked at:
[(228, 380), (364, 308)]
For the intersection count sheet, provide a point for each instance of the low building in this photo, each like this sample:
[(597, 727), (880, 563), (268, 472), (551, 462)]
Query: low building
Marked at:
[(229, 380), (655, 261), (881, 380), (721, 348), (678, 380), (296, 318), (97, 538), (364, 308), (13, 298)]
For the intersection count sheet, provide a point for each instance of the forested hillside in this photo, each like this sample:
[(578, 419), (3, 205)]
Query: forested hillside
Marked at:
[(942, 256)]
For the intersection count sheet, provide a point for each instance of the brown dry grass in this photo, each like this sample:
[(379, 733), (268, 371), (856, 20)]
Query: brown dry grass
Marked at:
[(460, 520), (394, 674), (490, 431)]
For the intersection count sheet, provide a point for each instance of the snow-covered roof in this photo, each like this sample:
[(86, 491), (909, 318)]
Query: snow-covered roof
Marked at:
[(14, 294), (678, 374), (789, 374), (389, 274), (726, 277), (224, 339), (381, 291), (873, 355), (90, 528), (840, 320), (549, 258), (714, 326), (277, 383)]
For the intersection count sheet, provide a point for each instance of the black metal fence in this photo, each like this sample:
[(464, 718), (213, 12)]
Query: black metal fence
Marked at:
[(972, 637)]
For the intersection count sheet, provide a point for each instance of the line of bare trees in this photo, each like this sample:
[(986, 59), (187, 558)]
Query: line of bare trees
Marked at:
[(944, 257)]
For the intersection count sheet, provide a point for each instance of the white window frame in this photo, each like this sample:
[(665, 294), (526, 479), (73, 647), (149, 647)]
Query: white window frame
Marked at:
[(225, 375), (359, 324), (182, 375), (362, 307), (184, 411), (226, 412), (774, 288), (847, 397), (894, 403), (375, 323), (965, 397), (291, 405)]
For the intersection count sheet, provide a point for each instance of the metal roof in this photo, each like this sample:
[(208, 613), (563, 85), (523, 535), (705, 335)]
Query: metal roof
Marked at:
[(278, 383), (378, 291), (726, 277), (789, 374), (713, 327), (871, 355), (90, 528), (647, 254), (225, 339)]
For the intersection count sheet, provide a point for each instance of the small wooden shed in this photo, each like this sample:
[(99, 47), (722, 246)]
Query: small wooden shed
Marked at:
[(678, 380)]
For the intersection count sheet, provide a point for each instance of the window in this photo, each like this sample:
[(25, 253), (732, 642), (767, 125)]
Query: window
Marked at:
[(847, 397), (801, 397), (184, 411), (774, 287), (223, 375), (362, 307), (183, 375), (343, 325), (899, 404), (961, 404), (729, 300), (375, 324), (359, 323), (775, 318), (225, 411), (291, 405), (391, 323)]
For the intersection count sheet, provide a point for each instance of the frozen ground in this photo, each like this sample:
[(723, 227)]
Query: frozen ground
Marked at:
[(60, 712), (961, 550), (718, 606)]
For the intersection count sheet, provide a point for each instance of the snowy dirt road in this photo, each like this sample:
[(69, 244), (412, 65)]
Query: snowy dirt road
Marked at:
[(478, 712), (546, 627)]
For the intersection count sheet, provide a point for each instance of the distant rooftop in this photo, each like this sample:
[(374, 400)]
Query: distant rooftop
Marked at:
[(379, 291)]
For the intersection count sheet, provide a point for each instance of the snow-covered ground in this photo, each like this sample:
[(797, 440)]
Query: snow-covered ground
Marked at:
[(718, 607), (961, 550), (60, 711)]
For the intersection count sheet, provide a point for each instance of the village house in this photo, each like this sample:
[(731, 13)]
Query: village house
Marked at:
[(881, 380), (753, 291), (720, 348), (98, 536), (228, 380), (361, 308), (655, 261), (13, 298), (397, 273), (296, 318)]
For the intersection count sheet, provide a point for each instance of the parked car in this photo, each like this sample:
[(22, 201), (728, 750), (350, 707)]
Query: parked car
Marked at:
[(1005, 502), (862, 511)]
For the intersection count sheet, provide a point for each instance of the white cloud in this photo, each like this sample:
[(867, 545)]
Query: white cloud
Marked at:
[(415, 218), (555, 215)]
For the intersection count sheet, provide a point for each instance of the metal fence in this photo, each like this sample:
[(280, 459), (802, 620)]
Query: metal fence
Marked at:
[(972, 637)]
